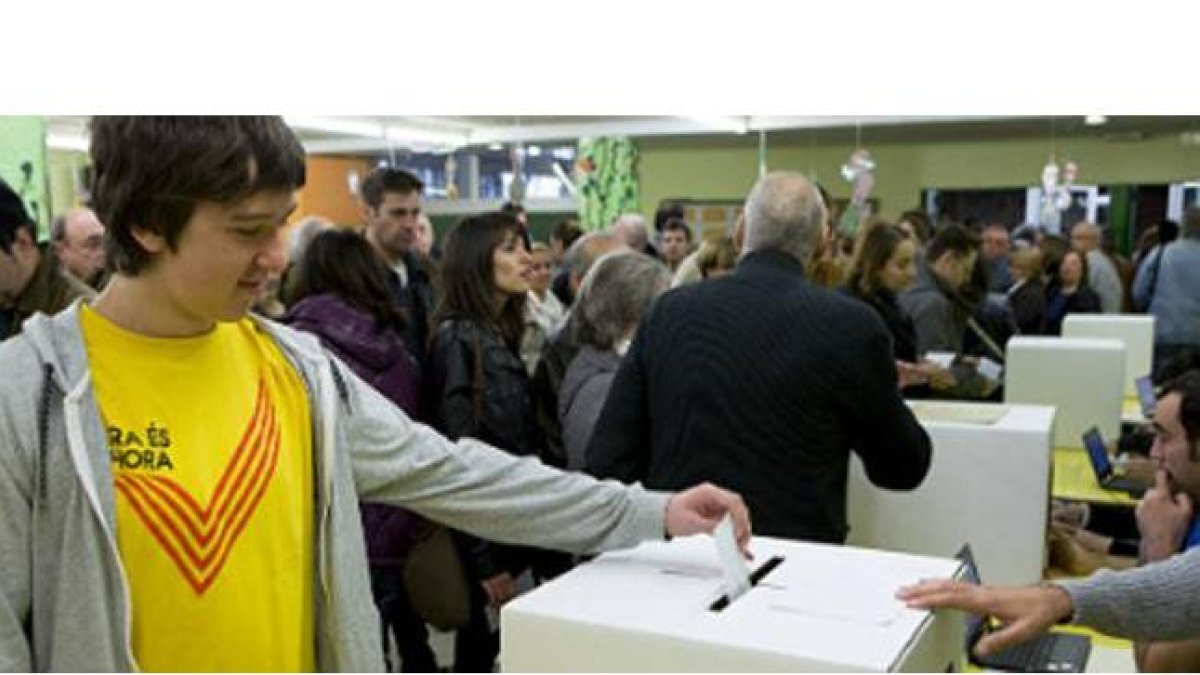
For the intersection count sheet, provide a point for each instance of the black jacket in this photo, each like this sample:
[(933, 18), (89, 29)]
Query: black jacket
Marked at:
[(1058, 305), (761, 382), (898, 322), (461, 349), (416, 301), (1028, 304)]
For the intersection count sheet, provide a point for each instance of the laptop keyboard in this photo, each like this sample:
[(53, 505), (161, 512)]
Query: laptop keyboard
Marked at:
[(1048, 653), (1027, 656)]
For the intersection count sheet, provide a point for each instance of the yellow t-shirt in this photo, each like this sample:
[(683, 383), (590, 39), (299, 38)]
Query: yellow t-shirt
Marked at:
[(211, 449)]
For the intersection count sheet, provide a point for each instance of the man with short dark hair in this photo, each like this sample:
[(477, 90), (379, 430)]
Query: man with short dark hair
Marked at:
[(391, 204), (78, 239), (31, 279), (940, 310), (179, 480), (995, 252), (764, 381), (676, 242)]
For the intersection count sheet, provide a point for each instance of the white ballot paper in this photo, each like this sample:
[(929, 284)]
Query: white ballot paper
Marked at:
[(733, 566), (990, 369)]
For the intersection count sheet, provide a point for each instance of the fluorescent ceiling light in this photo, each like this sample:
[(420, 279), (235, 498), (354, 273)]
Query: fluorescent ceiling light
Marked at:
[(413, 135), (67, 141), (336, 126), (533, 151), (1094, 120), (737, 125)]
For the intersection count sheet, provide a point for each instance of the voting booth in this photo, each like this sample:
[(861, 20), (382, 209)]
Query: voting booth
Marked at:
[(818, 608), (1083, 378), (988, 485), (1135, 332)]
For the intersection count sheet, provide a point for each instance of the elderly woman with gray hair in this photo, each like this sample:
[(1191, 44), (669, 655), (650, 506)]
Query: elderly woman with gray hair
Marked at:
[(612, 299)]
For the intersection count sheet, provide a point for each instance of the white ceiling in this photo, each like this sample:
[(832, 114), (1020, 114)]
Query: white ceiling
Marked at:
[(374, 134)]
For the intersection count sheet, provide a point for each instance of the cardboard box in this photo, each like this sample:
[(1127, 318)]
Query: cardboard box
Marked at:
[(1136, 332), (1084, 378), (822, 608), (988, 485)]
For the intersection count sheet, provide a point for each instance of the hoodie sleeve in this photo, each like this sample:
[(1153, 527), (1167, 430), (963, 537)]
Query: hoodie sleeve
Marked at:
[(473, 487), (16, 516)]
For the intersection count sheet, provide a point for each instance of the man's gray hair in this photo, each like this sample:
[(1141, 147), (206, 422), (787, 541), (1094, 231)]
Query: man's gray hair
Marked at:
[(631, 227), (784, 212), (615, 294)]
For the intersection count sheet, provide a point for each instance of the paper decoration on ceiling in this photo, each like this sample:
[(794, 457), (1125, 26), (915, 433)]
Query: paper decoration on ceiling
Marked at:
[(859, 171), (1056, 197)]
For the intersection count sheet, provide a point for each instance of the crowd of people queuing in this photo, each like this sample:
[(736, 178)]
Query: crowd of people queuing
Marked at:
[(636, 353)]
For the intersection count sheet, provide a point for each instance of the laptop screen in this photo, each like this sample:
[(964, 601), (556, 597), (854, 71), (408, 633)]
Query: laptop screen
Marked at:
[(1145, 390), (1093, 442)]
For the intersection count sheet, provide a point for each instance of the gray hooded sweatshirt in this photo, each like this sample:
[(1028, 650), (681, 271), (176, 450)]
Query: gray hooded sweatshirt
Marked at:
[(64, 597)]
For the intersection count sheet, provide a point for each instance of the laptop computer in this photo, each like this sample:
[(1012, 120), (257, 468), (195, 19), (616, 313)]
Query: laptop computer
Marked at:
[(1048, 653), (1145, 392), (1093, 442)]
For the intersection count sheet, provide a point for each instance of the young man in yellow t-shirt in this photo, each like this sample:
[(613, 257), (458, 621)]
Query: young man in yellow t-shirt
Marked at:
[(179, 480)]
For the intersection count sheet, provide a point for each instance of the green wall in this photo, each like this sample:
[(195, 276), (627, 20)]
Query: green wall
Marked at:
[(23, 164), (708, 168)]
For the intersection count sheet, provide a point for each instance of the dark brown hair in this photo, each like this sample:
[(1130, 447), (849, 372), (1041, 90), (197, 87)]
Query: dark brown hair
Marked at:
[(678, 224), (151, 172), (386, 179), (467, 275), (1083, 267), (877, 247), (1188, 388), (341, 262)]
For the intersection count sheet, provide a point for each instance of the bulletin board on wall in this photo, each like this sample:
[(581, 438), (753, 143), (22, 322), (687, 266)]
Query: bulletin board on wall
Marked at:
[(23, 165), (709, 219)]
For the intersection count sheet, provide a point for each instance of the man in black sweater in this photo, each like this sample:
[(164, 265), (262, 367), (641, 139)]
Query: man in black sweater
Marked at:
[(763, 383)]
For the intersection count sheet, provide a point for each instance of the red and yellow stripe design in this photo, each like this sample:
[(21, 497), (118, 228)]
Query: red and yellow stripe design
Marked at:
[(199, 538)]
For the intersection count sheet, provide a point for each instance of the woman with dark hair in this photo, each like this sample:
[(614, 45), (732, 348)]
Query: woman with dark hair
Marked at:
[(1071, 295), (883, 267), (479, 388), (342, 296)]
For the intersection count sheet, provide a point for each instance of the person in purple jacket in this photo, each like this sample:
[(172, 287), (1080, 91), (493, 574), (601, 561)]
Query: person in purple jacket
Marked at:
[(342, 297)]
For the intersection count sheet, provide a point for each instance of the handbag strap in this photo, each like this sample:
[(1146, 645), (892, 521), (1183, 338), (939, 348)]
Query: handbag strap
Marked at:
[(985, 338), (1154, 274)]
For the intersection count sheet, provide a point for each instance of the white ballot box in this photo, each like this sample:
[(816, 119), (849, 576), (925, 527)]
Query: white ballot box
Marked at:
[(1084, 378), (1136, 332), (988, 485), (650, 609)]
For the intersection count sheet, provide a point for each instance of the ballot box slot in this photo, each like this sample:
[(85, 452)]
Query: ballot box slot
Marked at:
[(756, 577)]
